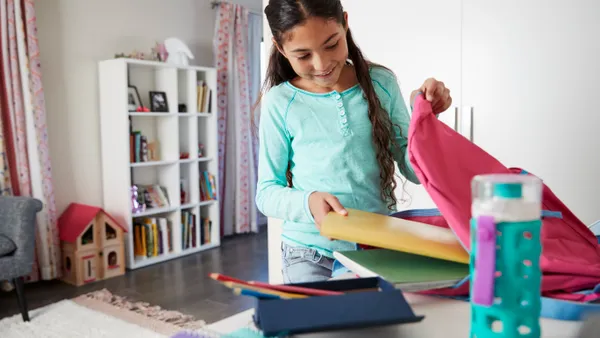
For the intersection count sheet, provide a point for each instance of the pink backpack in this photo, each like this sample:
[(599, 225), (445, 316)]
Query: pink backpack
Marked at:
[(445, 162)]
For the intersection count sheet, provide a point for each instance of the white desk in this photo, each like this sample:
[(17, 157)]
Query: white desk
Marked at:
[(445, 318)]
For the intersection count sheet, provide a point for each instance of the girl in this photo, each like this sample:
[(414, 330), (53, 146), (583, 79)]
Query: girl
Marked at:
[(331, 127)]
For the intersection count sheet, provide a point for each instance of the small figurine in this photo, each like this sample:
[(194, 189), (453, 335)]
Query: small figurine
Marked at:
[(182, 197), (142, 109), (200, 150), (160, 52), (178, 52), (135, 204)]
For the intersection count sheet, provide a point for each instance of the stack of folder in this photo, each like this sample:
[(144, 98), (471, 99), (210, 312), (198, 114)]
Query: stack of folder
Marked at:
[(413, 256)]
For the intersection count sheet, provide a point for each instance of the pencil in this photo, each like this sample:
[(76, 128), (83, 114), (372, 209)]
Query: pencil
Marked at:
[(284, 288), (222, 278), (285, 295), (297, 289), (252, 293)]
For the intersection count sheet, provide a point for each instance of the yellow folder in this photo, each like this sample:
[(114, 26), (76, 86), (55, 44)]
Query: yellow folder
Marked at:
[(395, 234)]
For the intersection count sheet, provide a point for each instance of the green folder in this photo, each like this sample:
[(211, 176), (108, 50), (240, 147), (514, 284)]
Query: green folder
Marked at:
[(407, 271)]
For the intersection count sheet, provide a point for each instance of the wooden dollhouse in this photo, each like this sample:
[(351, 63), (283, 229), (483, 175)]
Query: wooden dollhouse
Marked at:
[(92, 244)]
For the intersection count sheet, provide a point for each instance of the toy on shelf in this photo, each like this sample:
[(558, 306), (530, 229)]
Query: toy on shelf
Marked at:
[(157, 53), (183, 194), (92, 244), (200, 150), (136, 206), (178, 52), (184, 155)]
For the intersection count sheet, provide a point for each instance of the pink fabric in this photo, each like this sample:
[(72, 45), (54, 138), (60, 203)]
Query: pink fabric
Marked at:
[(234, 110), (25, 130), (445, 162)]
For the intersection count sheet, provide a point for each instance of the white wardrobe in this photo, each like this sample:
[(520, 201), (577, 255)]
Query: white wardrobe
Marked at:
[(525, 73), (524, 77)]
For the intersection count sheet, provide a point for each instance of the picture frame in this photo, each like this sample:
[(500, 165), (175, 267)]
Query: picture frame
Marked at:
[(158, 102), (134, 99)]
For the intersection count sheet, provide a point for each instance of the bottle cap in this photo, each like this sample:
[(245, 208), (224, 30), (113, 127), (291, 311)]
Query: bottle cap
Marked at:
[(508, 190)]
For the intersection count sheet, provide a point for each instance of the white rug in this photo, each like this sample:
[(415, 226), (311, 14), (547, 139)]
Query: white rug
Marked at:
[(101, 314), (69, 319)]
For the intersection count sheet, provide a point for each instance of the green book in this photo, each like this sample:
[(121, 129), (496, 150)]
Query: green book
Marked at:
[(406, 271)]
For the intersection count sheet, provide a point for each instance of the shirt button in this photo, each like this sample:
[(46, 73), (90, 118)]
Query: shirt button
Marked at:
[(344, 120), (342, 112), (340, 105)]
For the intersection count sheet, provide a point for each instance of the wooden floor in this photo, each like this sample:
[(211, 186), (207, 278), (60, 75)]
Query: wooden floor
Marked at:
[(182, 284)]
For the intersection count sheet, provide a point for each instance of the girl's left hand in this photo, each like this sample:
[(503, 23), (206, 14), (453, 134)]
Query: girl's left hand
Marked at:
[(436, 92)]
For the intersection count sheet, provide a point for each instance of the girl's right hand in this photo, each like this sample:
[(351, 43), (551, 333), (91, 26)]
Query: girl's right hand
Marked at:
[(321, 203)]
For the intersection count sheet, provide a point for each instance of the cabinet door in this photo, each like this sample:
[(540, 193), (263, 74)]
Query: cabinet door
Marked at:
[(416, 40), (530, 73)]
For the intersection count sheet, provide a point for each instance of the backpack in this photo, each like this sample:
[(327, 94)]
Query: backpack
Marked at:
[(445, 163)]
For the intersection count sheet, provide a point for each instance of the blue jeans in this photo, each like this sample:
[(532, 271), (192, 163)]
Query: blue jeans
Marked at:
[(303, 265)]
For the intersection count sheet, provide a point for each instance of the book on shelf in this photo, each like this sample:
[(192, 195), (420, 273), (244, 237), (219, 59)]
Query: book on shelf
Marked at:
[(204, 97), (188, 230), (152, 237), (189, 239), (152, 196), (208, 186), (140, 150), (205, 231)]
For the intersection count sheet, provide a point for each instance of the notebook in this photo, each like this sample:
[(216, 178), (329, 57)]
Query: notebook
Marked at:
[(405, 271), (395, 234)]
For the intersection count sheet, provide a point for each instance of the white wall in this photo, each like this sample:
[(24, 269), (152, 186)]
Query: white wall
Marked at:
[(73, 36)]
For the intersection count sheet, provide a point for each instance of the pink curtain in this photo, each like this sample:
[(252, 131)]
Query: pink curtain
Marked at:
[(25, 166), (236, 154)]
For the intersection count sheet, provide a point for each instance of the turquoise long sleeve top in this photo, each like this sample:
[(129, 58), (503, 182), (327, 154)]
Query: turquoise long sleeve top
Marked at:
[(326, 139)]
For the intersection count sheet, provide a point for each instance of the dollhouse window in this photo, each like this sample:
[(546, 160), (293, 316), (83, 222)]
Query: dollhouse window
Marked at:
[(111, 233), (88, 236), (112, 260)]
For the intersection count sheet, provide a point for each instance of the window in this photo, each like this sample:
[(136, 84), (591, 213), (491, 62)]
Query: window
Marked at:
[(112, 260), (111, 233), (88, 236)]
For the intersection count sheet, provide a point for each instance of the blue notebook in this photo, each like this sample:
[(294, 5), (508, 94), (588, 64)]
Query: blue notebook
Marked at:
[(378, 303)]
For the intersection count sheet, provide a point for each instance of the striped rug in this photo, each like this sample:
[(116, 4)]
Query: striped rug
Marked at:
[(101, 314)]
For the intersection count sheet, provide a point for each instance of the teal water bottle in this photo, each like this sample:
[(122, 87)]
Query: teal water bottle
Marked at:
[(505, 274)]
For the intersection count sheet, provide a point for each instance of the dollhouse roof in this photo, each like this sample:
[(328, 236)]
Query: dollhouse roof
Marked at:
[(76, 218)]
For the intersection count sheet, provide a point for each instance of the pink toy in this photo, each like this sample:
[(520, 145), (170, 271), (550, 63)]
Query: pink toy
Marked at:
[(135, 204)]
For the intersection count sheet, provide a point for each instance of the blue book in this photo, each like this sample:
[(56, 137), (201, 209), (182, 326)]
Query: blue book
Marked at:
[(375, 303)]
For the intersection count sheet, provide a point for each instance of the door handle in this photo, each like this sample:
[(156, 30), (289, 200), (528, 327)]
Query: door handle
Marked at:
[(465, 125), (471, 127), (456, 118)]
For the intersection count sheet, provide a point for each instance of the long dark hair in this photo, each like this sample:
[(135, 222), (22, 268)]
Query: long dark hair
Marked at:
[(282, 16)]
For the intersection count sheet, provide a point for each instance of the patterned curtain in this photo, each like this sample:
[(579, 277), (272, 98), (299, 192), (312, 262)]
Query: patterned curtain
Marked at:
[(24, 159), (236, 154)]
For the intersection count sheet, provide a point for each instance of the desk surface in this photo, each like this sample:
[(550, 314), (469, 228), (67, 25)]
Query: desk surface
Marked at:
[(446, 318)]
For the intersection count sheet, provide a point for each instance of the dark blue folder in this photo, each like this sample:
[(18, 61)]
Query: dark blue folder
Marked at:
[(368, 302)]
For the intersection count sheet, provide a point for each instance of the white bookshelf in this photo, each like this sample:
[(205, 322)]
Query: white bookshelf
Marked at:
[(174, 132)]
